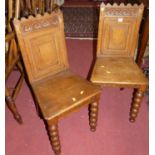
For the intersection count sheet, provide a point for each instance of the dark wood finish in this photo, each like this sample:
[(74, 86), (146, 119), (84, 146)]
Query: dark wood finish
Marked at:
[(93, 116), (33, 7), (138, 95), (54, 138), (117, 41), (145, 2), (57, 90), (144, 40)]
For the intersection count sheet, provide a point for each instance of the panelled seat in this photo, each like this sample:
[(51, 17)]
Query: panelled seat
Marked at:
[(62, 92), (120, 71)]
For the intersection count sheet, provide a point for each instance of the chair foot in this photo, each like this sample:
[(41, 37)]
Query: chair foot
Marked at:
[(93, 116), (135, 106), (54, 138), (18, 118), (12, 107)]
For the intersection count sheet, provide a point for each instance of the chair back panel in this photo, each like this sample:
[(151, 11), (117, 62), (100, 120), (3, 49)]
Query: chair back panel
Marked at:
[(118, 29), (42, 44)]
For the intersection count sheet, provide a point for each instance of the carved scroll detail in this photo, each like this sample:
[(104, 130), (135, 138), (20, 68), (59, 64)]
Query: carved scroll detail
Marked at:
[(121, 11), (36, 25)]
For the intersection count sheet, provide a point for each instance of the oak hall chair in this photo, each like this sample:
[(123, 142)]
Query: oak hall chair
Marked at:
[(58, 91), (117, 40)]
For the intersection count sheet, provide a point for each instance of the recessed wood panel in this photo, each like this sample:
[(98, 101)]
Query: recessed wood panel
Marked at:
[(44, 54), (118, 35), (116, 42)]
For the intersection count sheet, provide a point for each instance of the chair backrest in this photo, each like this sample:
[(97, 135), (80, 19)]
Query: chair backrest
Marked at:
[(42, 44), (118, 29)]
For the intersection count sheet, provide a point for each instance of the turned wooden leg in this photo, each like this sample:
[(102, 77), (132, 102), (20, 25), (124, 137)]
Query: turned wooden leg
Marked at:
[(93, 115), (54, 138), (12, 107), (137, 98)]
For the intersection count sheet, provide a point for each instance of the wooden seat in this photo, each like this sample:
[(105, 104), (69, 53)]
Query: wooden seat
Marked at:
[(120, 71), (74, 88), (117, 41), (57, 90)]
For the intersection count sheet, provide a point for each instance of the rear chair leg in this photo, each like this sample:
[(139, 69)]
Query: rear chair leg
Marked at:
[(135, 106), (54, 138), (12, 107), (93, 115)]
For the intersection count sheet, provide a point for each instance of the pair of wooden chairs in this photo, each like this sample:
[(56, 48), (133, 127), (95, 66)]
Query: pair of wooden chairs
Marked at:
[(59, 91)]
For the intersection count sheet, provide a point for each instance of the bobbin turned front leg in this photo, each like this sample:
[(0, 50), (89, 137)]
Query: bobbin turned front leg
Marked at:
[(135, 106), (11, 104), (93, 115), (54, 138)]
